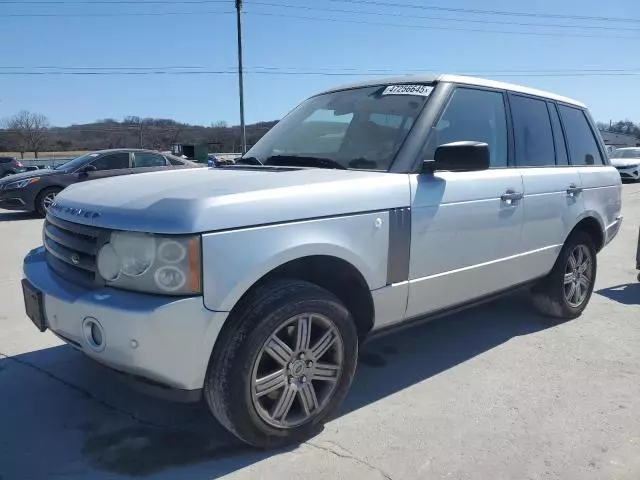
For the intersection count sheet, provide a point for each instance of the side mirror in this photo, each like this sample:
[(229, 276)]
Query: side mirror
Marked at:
[(86, 169), (460, 157)]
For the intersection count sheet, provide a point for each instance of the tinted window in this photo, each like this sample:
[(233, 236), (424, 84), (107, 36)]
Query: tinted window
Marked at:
[(532, 132), (583, 147), (476, 115), (113, 161), (561, 147), (141, 160)]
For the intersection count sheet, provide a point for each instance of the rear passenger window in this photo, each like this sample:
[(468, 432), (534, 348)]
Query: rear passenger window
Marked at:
[(473, 115), (558, 136), (532, 132), (114, 161), (583, 148)]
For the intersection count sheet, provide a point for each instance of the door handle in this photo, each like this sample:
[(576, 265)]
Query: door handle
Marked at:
[(511, 196), (573, 190)]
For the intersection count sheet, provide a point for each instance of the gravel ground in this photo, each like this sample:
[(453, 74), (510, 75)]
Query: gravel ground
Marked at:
[(493, 393)]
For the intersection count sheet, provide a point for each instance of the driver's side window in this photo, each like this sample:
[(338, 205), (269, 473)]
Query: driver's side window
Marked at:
[(473, 115), (114, 161)]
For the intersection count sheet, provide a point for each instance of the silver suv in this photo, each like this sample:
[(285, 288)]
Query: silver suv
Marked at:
[(368, 206)]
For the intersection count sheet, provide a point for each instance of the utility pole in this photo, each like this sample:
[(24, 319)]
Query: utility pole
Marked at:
[(240, 82)]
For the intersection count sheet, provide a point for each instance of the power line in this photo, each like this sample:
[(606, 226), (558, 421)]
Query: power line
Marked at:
[(574, 73), (119, 14), (114, 2), (514, 13), (294, 70), (433, 27), (378, 3), (365, 22), (428, 17)]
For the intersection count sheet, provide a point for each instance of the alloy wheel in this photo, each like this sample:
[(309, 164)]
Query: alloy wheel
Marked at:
[(297, 370), (578, 276), (48, 200)]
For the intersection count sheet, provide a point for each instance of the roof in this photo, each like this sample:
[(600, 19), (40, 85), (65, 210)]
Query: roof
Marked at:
[(480, 82), (123, 149)]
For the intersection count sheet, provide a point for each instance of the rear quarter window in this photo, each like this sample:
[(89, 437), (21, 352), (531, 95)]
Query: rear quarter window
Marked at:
[(583, 146)]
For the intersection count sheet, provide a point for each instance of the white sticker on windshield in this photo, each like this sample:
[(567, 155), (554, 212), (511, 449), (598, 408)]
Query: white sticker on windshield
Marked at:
[(418, 90)]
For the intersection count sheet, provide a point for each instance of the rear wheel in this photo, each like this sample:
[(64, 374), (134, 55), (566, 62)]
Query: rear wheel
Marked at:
[(284, 365), (45, 199), (565, 292)]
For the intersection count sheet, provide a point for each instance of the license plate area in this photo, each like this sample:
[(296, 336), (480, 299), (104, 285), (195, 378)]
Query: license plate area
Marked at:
[(34, 305)]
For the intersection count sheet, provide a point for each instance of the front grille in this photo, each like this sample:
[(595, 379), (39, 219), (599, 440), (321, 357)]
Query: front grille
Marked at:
[(71, 250)]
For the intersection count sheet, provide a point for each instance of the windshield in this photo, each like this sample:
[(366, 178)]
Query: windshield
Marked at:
[(630, 153), (361, 128), (76, 162)]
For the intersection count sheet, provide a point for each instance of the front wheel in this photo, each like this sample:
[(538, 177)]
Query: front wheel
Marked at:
[(45, 199), (565, 292), (284, 365)]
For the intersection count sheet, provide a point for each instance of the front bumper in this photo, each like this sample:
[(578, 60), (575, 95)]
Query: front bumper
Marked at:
[(629, 173), (12, 202), (18, 199), (161, 343)]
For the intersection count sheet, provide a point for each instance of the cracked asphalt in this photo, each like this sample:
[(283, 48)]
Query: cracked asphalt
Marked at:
[(495, 392)]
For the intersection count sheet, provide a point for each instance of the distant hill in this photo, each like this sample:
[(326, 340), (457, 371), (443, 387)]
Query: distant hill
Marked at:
[(142, 132)]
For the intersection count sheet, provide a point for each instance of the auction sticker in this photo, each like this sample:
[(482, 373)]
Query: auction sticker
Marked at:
[(418, 90)]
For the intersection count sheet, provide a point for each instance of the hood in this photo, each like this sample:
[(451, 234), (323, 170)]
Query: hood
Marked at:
[(205, 200), (25, 175), (624, 162)]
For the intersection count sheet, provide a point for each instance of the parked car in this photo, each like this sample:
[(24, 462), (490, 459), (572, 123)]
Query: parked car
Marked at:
[(9, 166), (370, 206), (627, 161), (36, 190)]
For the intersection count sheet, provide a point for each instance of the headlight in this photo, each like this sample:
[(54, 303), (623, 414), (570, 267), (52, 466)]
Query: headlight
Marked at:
[(151, 263), (20, 183)]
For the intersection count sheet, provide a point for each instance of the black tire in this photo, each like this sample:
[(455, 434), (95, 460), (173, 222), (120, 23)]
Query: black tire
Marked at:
[(40, 199), (549, 295), (227, 386)]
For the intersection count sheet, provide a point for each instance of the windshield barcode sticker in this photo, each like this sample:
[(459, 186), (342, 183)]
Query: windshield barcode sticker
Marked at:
[(419, 90)]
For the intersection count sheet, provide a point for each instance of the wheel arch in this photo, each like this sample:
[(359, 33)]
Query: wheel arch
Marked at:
[(331, 272), (591, 224)]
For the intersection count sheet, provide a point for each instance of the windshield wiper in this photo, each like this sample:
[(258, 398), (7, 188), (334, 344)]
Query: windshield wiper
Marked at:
[(303, 161)]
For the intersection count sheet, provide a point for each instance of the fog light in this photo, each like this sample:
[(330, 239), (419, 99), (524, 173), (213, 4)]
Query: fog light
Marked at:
[(93, 334)]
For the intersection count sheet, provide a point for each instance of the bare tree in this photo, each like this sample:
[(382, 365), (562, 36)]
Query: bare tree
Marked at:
[(19, 127), (30, 130), (38, 133)]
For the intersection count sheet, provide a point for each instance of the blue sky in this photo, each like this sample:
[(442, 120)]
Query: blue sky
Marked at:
[(206, 39)]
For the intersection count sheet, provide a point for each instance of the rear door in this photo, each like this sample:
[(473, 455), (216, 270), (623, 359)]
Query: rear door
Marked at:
[(149, 162), (600, 181), (552, 202)]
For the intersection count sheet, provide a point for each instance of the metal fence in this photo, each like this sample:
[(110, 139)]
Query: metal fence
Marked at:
[(45, 162), (52, 162)]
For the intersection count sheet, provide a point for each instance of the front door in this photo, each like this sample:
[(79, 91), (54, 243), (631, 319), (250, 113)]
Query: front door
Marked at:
[(466, 226), (107, 165)]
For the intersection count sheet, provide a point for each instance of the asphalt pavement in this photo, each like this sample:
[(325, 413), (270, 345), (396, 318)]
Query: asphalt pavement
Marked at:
[(496, 392)]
